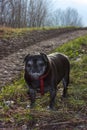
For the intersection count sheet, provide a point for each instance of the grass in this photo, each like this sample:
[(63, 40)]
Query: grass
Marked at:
[(77, 53), (71, 108), (8, 32)]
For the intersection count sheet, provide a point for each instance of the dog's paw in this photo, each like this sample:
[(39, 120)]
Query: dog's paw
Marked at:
[(28, 106), (64, 97), (51, 108), (31, 106)]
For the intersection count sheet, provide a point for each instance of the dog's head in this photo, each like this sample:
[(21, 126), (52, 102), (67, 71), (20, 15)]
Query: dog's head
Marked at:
[(36, 65)]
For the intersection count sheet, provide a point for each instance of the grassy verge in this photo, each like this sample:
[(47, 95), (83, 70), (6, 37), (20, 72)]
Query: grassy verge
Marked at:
[(77, 53), (72, 108), (7, 32)]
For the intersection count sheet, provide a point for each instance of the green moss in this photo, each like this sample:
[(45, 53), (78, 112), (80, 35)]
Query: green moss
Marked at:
[(74, 48), (16, 91)]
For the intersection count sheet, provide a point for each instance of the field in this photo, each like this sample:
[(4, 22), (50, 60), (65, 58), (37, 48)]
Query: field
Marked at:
[(71, 113)]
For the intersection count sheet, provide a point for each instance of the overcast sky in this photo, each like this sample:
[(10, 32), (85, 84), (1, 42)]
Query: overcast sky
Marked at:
[(80, 5)]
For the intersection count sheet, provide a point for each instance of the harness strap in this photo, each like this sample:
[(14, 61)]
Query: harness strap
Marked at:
[(42, 83), (42, 86), (41, 78)]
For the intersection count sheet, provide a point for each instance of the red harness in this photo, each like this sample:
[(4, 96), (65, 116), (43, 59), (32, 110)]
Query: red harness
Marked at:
[(41, 78), (42, 83)]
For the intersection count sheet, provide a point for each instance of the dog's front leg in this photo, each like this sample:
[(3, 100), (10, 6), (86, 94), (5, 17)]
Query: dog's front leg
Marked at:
[(52, 98), (32, 95)]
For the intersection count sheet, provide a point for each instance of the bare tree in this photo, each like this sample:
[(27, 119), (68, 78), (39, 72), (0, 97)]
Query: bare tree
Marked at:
[(37, 12), (68, 17), (72, 18), (16, 13), (13, 13), (3, 11), (22, 13)]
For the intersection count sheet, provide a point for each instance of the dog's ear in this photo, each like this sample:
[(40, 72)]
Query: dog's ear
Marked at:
[(26, 58), (44, 56)]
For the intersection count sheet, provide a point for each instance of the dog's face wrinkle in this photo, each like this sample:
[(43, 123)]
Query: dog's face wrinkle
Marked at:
[(36, 67)]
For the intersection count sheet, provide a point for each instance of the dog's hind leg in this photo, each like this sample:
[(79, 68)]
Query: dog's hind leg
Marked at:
[(66, 80), (52, 98), (65, 85)]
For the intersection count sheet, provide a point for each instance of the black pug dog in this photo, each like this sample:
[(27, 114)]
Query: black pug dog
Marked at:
[(44, 72)]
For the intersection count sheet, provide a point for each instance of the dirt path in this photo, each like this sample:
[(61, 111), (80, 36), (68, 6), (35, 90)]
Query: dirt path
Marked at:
[(11, 66)]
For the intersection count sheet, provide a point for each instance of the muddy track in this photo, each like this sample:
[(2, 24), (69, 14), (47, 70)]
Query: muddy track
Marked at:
[(12, 45), (12, 54)]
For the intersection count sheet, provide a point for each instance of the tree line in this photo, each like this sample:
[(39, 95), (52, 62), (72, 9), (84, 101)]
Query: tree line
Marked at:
[(36, 13)]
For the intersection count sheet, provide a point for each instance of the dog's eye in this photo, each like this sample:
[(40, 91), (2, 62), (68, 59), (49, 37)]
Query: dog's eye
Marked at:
[(29, 65), (41, 64)]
